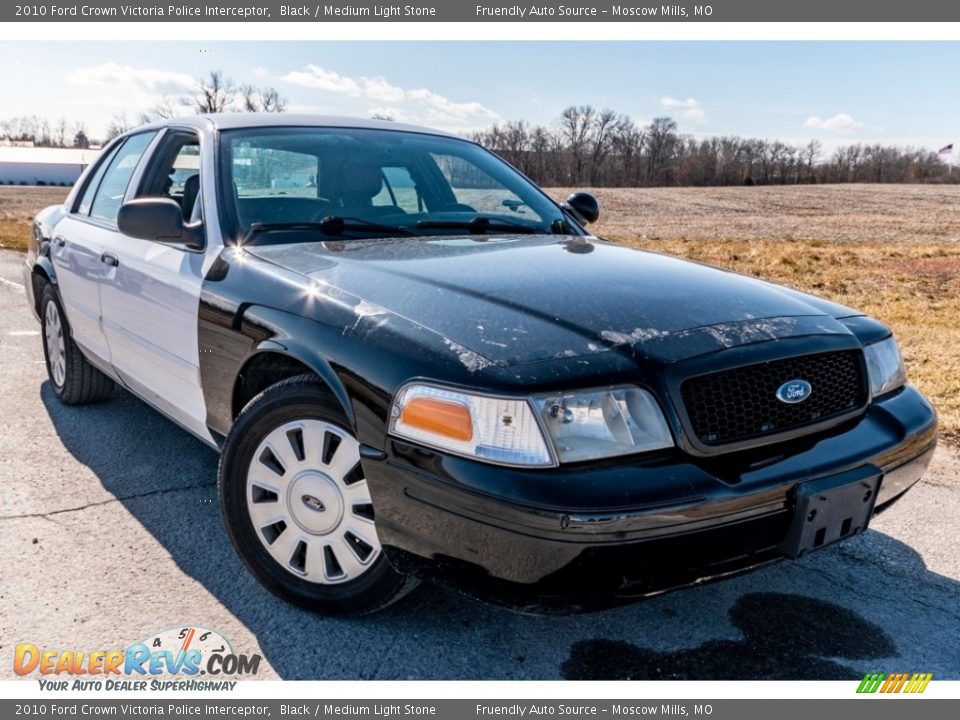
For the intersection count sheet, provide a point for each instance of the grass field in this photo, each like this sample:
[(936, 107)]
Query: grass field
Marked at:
[(892, 251)]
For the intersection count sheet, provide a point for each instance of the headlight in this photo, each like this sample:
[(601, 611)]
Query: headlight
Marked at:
[(885, 366), (580, 425), (500, 430), (603, 423)]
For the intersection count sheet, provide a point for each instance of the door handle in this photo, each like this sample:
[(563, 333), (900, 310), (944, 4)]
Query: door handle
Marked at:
[(110, 259), (59, 241)]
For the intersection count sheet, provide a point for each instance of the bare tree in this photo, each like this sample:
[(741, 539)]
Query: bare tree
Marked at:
[(272, 101), (627, 142), (118, 126), (214, 93), (576, 123), (661, 138), (266, 99), (60, 132), (163, 110), (601, 133)]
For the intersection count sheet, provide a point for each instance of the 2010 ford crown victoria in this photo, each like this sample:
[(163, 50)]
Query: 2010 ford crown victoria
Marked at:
[(416, 365)]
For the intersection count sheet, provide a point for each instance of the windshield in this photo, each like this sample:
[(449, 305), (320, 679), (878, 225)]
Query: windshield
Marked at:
[(374, 183)]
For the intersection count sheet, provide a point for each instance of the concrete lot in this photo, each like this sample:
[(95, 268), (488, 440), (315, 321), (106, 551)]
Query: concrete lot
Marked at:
[(109, 530)]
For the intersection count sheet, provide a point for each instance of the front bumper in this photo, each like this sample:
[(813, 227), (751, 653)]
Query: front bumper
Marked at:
[(585, 536)]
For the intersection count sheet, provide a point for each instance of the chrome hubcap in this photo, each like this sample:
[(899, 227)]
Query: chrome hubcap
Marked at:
[(309, 503), (56, 345)]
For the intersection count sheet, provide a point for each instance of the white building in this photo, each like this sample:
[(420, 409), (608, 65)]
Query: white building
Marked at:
[(43, 166)]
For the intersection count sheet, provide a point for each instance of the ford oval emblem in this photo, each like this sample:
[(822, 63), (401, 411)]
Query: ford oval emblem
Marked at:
[(313, 503), (794, 391)]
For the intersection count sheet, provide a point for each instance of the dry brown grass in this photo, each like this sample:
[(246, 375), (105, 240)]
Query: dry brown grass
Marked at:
[(890, 251), (18, 205), (835, 213)]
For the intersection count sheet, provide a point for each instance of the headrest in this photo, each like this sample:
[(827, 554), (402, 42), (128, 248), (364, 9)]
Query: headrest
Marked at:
[(358, 180)]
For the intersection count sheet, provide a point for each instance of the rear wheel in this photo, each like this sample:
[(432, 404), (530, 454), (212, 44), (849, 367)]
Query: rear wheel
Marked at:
[(297, 506), (75, 381)]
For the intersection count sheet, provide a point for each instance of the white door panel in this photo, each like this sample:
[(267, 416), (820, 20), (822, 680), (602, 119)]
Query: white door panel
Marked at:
[(150, 301), (75, 250)]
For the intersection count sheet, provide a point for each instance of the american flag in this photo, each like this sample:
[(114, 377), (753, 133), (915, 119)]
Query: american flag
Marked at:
[(946, 149)]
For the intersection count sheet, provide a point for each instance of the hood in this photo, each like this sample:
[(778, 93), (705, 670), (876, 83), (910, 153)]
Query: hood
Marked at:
[(530, 298)]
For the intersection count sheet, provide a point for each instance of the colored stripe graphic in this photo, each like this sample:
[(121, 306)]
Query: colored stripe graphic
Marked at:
[(894, 683), (870, 683)]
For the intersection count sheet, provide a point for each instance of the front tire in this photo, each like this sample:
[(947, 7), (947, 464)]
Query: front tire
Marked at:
[(75, 381), (296, 504)]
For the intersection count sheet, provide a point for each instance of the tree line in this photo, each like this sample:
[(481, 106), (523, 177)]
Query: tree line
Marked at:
[(603, 148), (585, 146)]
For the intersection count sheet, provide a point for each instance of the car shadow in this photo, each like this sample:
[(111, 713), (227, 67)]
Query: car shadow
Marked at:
[(867, 605)]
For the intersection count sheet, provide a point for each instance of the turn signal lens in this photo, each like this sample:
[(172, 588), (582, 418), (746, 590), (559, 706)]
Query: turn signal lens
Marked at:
[(499, 430), (438, 416)]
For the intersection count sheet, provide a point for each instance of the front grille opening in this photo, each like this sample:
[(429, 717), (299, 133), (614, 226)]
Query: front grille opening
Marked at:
[(741, 404)]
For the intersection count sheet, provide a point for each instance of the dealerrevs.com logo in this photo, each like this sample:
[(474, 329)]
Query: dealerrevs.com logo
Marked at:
[(172, 659)]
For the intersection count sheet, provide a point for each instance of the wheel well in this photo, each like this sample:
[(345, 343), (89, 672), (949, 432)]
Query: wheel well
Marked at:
[(39, 278), (262, 371)]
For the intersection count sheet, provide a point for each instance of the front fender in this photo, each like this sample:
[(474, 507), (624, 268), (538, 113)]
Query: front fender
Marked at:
[(301, 352), (35, 273), (230, 342)]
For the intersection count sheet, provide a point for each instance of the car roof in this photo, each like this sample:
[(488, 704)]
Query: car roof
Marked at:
[(232, 121)]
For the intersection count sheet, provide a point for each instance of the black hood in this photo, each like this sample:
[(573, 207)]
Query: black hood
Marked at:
[(529, 298)]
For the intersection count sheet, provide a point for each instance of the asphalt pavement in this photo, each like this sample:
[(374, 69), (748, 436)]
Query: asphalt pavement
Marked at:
[(110, 531)]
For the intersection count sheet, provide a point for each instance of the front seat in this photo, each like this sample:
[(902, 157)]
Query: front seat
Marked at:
[(191, 188), (358, 185)]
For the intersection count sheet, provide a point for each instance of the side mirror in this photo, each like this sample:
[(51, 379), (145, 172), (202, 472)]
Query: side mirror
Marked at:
[(159, 220), (584, 206)]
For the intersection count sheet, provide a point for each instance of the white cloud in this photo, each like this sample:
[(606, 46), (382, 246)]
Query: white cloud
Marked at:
[(688, 109), (418, 105), (841, 122), (316, 78), (144, 81), (261, 71), (379, 89), (443, 106)]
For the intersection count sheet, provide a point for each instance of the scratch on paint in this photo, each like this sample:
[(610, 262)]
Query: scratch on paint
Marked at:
[(468, 358), (638, 335)]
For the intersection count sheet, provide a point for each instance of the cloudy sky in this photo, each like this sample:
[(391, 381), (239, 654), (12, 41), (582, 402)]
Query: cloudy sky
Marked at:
[(838, 92)]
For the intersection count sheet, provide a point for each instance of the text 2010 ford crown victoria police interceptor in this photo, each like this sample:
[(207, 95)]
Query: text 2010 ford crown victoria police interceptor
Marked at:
[(416, 364)]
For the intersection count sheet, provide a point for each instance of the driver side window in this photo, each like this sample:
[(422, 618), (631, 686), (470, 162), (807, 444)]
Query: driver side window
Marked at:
[(174, 173)]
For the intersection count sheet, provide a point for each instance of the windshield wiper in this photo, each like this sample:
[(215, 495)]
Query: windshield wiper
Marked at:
[(332, 225), (336, 224), (478, 225)]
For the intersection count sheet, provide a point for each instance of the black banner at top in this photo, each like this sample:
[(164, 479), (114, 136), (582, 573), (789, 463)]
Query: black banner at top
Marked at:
[(484, 11)]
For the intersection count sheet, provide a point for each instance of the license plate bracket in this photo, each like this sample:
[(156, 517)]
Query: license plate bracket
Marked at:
[(831, 509)]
